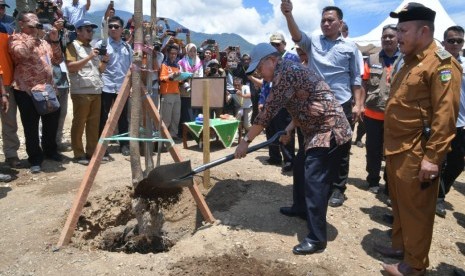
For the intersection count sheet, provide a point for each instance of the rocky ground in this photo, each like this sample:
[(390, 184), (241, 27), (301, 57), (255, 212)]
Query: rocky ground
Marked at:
[(250, 237)]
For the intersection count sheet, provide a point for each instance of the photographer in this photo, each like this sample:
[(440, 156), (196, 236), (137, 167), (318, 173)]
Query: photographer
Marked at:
[(86, 85), (33, 58), (120, 59)]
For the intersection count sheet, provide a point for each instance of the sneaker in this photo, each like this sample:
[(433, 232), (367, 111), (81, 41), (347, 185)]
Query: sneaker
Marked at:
[(5, 177), (82, 160), (125, 150), (374, 189), (287, 167), (13, 162), (35, 169), (441, 208), (337, 199)]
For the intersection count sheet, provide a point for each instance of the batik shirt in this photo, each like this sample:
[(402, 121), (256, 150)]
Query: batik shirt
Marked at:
[(33, 59), (310, 102)]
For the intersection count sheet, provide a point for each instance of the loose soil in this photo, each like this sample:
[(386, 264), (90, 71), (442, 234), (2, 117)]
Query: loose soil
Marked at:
[(249, 236)]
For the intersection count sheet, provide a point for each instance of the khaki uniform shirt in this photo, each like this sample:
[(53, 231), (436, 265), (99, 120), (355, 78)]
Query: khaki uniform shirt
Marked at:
[(426, 89)]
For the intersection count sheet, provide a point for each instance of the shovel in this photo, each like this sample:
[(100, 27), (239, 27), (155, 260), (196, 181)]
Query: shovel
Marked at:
[(180, 174)]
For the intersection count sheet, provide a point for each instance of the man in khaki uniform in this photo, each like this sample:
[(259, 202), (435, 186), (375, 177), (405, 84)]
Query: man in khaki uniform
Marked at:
[(424, 96)]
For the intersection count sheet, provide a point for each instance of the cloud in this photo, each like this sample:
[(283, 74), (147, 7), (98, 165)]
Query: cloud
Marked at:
[(226, 16)]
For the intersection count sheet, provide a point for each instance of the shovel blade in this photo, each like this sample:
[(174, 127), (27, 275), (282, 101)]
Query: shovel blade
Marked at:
[(164, 177)]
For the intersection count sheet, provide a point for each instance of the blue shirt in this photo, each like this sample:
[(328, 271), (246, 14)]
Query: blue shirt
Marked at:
[(265, 91), (9, 23), (291, 57), (335, 61), (118, 65), (73, 13), (461, 118)]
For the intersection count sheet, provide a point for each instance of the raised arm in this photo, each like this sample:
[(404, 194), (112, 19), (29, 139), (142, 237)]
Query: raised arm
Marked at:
[(286, 9)]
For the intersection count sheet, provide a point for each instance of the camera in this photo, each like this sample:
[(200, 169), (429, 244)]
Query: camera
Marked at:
[(68, 26), (170, 32), (232, 48), (211, 41), (102, 50), (201, 53), (182, 30), (157, 46)]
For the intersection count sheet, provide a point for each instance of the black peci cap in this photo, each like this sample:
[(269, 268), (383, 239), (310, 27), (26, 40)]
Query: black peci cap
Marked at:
[(414, 11)]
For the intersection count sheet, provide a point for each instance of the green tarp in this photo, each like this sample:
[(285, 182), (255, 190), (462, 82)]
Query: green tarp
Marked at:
[(225, 129)]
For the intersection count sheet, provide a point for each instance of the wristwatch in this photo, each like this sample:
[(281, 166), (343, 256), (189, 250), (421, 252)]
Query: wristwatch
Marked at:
[(247, 140), (6, 95)]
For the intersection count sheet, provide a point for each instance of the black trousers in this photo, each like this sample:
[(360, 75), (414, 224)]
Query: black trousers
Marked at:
[(319, 166), (187, 114), (340, 178), (123, 125), (454, 163), (279, 122), (30, 120), (361, 130), (374, 148)]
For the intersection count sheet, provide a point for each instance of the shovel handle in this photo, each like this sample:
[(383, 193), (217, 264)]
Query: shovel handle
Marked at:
[(231, 156)]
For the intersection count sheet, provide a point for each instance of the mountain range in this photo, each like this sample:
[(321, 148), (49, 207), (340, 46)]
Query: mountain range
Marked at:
[(224, 40)]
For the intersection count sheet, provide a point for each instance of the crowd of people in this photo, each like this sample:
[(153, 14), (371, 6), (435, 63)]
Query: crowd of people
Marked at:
[(410, 97)]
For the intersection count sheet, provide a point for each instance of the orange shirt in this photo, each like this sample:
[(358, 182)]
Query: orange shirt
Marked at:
[(6, 63), (168, 86)]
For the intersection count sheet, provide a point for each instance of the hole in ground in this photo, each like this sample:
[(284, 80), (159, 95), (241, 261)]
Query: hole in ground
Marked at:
[(110, 223)]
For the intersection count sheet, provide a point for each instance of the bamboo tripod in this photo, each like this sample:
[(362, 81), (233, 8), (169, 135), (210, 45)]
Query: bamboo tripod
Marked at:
[(94, 165)]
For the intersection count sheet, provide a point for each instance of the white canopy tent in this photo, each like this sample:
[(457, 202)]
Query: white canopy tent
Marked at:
[(441, 23)]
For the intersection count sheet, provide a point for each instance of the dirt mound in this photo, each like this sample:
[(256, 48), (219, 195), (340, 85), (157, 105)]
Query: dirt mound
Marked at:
[(109, 223)]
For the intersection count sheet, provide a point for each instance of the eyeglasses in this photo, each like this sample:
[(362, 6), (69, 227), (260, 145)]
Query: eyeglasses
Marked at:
[(113, 26), (2, 7), (455, 40), (390, 26), (274, 44)]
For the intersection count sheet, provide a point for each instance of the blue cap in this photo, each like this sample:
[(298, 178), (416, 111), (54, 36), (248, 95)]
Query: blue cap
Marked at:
[(83, 23), (260, 51)]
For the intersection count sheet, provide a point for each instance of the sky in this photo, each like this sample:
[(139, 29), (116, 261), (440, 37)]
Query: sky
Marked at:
[(256, 20)]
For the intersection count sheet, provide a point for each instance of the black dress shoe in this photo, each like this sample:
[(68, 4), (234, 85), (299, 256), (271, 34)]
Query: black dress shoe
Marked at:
[(440, 208), (291, 212), (389, 251), (337, 199), (306, 247)]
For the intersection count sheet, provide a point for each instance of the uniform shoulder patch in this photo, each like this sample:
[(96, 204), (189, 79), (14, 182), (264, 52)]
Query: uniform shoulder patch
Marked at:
[(443, 54), (445, 75)]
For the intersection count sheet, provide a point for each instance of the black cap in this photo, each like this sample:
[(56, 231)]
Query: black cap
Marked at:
[(414, 11)]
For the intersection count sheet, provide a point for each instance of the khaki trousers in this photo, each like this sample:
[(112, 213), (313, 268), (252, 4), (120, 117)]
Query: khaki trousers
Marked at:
[(413, 206), (171, 112), (86, 115), (10, 128)]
